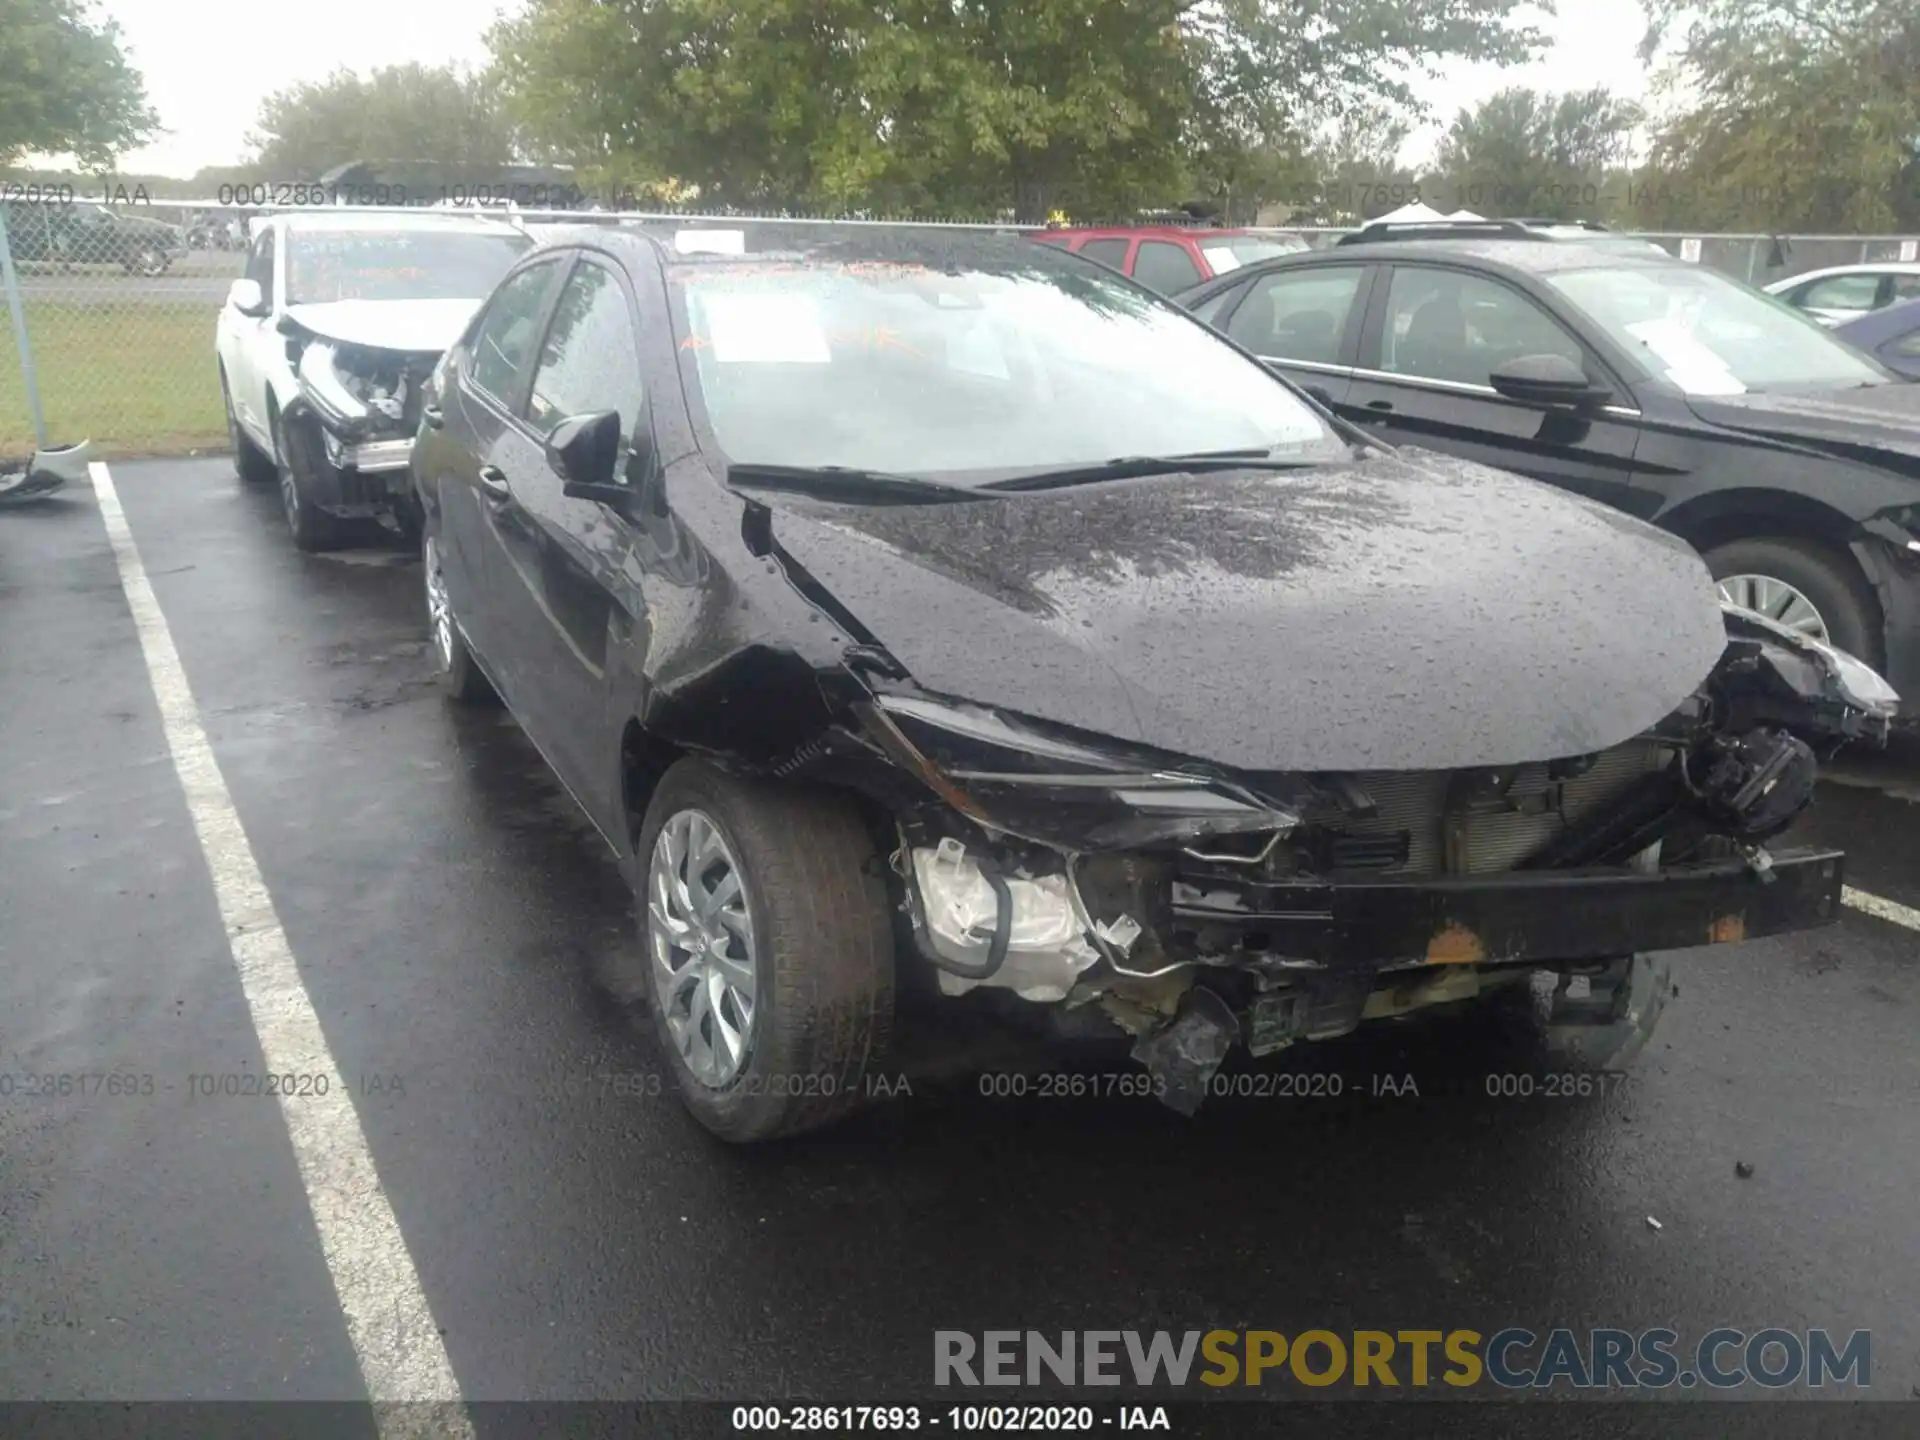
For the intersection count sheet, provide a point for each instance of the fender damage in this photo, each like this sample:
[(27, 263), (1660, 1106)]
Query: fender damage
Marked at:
[(1281, 881)]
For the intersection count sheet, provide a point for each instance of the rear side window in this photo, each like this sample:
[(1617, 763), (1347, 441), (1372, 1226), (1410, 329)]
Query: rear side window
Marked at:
[(1209, 309), (1107, 252), (1906, 287), (1298, 315), (503, 341), (1839, 292), (1163, 266)]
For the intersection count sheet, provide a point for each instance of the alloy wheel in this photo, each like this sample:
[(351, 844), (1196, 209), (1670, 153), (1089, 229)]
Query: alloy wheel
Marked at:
[(700, 935), (1777, 600), (439, 609)]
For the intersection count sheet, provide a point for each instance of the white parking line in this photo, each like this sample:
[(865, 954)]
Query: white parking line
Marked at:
[(1881, 909), (388, 1320)]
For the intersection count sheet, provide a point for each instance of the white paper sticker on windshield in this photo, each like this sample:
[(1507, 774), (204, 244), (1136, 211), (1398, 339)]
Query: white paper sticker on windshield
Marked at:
[(1910, 249), (710, 242), (1689, 364), (1222, 260), (765, 330), (1690, 251)]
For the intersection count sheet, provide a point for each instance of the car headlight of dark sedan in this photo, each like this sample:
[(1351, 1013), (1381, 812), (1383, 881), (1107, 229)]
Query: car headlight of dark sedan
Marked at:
[(1013, 776)]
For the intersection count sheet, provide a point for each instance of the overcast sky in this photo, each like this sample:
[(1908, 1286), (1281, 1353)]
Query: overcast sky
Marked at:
[(209, 63)]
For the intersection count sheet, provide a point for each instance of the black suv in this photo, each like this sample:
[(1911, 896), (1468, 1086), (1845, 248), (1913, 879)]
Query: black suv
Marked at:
[(1670, 391)]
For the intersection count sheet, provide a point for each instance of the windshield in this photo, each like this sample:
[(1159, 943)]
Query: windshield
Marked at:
[(968, 373), (1237, 250), (399, 265), (1713, 336)]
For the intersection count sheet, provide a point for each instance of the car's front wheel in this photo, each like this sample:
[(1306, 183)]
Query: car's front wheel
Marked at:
[(254, 465), (769, 952), (1805, 586), (313, 528)]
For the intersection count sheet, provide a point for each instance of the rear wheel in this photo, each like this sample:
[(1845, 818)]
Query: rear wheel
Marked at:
[(769, 951), (460, 675), (1804, 585)]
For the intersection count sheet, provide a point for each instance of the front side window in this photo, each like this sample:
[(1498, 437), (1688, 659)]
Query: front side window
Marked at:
[(1448, 325), (503, 340), (1298, 315), (1710, 335), (970, 371), (590, 361), (326, 267), (260, 263)]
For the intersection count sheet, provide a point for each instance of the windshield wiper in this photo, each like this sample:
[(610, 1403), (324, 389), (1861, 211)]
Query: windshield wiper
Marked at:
[(1129, 467), (834, 481)]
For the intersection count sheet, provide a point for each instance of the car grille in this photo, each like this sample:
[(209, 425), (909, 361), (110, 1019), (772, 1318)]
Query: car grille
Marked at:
[(1409, 830)]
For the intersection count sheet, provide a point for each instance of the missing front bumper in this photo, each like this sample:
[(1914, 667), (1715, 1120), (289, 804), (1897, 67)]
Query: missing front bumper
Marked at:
[(1520, 917)]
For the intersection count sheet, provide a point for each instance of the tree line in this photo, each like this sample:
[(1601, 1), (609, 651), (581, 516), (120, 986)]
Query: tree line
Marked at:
[(1760, 115)]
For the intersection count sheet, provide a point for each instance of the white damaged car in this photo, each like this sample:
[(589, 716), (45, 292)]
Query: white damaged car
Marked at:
[(325, 344)]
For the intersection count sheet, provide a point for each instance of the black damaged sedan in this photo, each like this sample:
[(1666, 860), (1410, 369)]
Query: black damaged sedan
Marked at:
[(951, 620)]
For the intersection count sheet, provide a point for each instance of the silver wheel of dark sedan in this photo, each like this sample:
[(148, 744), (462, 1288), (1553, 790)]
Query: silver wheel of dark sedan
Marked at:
[(700, 935), (1775, 599), (439, 609)]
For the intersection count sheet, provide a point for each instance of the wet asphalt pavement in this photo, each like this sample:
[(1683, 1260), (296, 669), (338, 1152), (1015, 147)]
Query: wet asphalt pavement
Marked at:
[(466, 944)]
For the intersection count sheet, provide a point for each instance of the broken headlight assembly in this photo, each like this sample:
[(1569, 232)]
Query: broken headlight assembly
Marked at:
[(1774, 674), (1074, 795), (346, 399)]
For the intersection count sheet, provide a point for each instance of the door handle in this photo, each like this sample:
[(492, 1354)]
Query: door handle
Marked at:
[(431, 414), (493, 480)]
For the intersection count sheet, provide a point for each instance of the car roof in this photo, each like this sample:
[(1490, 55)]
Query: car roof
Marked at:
[(1151, 232), (1540, 257), (387, 222), (1866, 267)]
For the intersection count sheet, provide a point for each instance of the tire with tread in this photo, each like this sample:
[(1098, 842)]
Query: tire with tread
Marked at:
[(460, 677), (823, 951), (1824, 575), (313, 529)]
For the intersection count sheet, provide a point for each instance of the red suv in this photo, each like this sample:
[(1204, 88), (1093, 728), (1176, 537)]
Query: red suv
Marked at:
[(1170, 258)]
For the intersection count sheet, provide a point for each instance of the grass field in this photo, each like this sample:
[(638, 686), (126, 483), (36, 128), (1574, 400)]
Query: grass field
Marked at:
[(134, 379)]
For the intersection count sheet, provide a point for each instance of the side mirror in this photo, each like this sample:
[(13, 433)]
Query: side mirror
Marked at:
[(1547, 380), (585, 451), (245, 296)]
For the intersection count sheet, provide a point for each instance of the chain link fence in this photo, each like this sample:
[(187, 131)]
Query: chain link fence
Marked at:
[(112, 308)]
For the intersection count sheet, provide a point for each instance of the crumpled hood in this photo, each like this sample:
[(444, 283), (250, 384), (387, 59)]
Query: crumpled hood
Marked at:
[(1877, 422), (1404, 612), (409, 325)]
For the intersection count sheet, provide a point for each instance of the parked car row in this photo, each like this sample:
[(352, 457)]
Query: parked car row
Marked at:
[(953, 621)]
